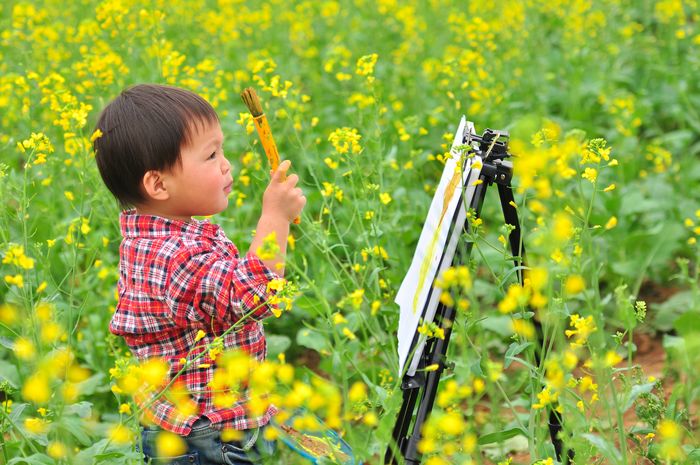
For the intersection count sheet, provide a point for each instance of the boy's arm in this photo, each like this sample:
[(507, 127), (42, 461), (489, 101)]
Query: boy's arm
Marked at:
[(267, 225)]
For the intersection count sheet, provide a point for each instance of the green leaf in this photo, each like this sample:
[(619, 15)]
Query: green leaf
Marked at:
[(501, 436), (36, 459), (76, 427), (312, 339), (82, 409), (635, 392), (688, 323), (103, 452), (604, 447), (9, 373), (674, 343), (7, 343), (500, 325), (514, 349), (666, 314), (476, 367), (17, 410), (276, 344), (90, 385)]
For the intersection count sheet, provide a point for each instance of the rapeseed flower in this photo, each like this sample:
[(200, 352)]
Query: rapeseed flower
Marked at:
[(57, 450), (574, 284), (36, 388), (120, 434), (583, 327), (169, 444), (346, 140)]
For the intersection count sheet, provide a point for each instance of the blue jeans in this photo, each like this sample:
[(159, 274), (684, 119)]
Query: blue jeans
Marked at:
[(204, 447)]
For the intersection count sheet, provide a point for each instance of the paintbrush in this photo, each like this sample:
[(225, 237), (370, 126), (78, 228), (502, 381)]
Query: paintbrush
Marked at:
[(251, 100)]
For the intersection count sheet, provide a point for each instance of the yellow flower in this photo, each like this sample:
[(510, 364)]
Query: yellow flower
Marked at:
[(44, 311), (51, 332), (345, 140), (349, 334), (537, 278), (338, 318), (17, 280), (668, 429), (15, 256), (545, 398), (84, 226), (230, 434), (357, 392), (612, 222), (119, 434), (200, 335), (365, 64), (270, 433), (451, 423), (36, 389), (24, 349), (469, 442), (612, 358), (574, 284), (57, 450), (385, 198), (523, 328), (330, 163), (591, 174), (583, 328), (36, 425), (125, 409), (8, 314), (516, 297), (563, 227), (169, 444), (269, 248), (154, 371), (370, 419)]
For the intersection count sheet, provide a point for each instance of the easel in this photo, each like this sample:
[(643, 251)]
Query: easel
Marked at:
[(493, 148)]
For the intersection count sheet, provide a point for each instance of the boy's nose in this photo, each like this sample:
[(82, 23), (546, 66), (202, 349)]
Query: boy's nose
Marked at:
[(225, 166)]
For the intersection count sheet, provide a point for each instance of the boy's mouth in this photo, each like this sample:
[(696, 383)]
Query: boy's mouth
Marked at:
[(228, 187)]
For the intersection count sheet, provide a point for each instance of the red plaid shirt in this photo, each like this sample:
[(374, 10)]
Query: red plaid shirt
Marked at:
[(177, 278)]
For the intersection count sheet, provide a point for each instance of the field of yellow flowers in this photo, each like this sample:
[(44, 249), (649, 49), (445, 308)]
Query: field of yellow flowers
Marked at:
[(602, 99)]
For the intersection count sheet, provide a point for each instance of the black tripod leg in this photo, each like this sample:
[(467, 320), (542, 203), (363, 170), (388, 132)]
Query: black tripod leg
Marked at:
[(403, 421), (510, 214)]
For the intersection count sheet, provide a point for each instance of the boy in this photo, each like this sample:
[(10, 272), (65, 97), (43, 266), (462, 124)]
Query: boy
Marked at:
[(160, 153)]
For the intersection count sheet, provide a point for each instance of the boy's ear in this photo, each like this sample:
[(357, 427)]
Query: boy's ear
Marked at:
[(154, 185)]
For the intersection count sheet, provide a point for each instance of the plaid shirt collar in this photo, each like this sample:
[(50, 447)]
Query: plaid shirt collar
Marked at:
[(134, 224)]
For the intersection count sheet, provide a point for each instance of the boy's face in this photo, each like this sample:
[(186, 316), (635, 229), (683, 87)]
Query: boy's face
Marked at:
[(201, 183)]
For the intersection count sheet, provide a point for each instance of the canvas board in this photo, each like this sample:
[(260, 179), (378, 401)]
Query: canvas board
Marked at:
[(435, 250)]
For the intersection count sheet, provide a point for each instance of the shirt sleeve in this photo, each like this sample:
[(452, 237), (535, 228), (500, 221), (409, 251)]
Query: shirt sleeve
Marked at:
[(204, 286)]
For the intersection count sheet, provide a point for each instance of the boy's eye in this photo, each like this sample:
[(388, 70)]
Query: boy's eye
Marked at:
[(213, 155)]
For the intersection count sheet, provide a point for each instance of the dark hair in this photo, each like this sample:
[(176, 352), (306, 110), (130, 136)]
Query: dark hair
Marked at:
[(143, 129)]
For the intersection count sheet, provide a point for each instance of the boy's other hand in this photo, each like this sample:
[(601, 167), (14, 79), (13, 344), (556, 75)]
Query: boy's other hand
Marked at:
[(282, 198)]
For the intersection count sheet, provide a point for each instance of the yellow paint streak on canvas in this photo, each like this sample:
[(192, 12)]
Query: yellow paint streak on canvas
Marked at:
[(422, 274)]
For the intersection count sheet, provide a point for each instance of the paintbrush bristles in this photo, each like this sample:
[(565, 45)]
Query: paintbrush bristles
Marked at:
[(251, 100)]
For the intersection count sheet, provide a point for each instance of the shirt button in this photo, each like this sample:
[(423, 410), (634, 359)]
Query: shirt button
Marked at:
[(191, 458)]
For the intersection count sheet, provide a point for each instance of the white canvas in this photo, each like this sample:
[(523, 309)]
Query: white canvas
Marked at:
[(433, 241)]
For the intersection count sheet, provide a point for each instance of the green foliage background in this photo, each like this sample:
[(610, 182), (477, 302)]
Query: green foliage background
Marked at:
[(626, 72)]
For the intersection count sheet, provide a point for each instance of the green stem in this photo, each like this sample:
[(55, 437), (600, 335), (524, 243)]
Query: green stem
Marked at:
[(18, 430)]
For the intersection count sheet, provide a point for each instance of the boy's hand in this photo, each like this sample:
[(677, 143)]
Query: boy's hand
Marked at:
[(282, 198)]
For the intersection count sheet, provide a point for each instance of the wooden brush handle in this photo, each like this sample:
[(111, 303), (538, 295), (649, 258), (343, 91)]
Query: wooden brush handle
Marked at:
[(269, 145)]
